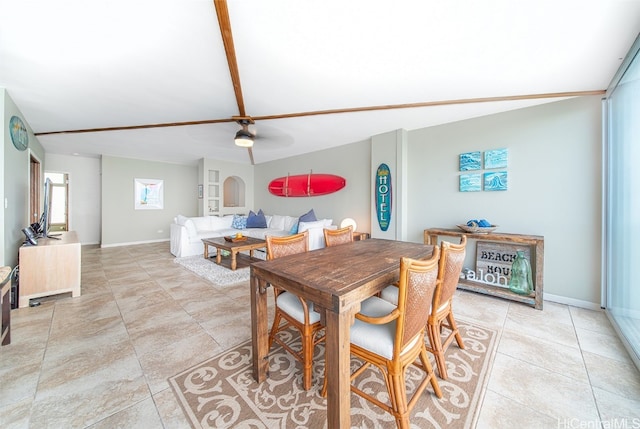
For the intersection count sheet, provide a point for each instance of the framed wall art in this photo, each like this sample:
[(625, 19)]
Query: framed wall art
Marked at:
[(495, 181), (495, 158), (470, 161), (470, 182), (148, 194)]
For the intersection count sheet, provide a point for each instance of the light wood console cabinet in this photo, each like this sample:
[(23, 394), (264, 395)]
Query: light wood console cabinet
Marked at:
[(536, 244), (49, 268)]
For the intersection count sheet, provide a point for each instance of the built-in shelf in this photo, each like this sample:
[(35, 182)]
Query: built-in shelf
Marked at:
[(536, 244), (213, 193)]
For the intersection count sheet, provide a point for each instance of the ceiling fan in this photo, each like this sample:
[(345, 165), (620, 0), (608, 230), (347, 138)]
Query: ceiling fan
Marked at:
[(245, 137)]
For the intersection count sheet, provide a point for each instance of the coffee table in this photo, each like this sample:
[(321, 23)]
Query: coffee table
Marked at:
[(234, 247)]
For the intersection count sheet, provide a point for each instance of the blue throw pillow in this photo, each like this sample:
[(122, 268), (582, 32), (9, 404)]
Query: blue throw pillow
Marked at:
[(256, 220), (294, 228), (309, 216), (239, 222)]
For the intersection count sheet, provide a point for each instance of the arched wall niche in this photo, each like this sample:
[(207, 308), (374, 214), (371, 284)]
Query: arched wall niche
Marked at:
[(234, 192)]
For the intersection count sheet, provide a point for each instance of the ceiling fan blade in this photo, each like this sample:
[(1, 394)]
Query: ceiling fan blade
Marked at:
[(251, 155)]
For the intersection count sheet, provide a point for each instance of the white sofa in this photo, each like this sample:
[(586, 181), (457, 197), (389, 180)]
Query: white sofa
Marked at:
[(186, 233)]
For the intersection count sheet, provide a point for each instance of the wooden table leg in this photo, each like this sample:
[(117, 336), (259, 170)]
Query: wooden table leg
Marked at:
[(233, 259), (259, 329), (337, 360), (218, 256), (206, 251)]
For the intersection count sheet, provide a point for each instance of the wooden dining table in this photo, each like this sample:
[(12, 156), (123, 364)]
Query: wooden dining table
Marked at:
[(336, 279)]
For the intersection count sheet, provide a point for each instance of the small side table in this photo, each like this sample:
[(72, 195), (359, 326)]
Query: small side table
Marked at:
[(357, 235)]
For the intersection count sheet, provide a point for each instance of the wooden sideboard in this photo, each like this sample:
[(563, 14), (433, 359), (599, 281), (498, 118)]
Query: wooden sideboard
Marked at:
[(49, 268), (536, 244)]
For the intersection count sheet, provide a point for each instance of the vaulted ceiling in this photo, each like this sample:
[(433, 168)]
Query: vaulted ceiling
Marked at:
[(165, 79)]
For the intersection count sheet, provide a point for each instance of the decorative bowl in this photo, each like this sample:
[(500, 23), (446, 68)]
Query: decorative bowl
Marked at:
[(477, 229), (234, 239)]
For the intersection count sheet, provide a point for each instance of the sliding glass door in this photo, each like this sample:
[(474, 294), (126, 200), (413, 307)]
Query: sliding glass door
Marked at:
[(622, 225)]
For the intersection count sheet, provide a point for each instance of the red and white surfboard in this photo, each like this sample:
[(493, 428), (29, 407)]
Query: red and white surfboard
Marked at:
[(306, 185)]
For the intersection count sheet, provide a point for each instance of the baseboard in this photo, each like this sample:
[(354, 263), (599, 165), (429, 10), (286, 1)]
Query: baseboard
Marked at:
[(131, 243), (571, 301)]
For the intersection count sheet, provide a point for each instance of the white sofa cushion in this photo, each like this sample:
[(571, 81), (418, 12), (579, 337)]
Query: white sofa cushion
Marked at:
[(323, 223), (289, 223), (191, 227), (202, 223), (217, 222), (277, 222), (180, 220)]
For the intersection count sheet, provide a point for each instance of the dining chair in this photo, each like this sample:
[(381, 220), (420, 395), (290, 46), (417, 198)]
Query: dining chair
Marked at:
[(441, 311), (391, 337), (294, 310), (334, 237)]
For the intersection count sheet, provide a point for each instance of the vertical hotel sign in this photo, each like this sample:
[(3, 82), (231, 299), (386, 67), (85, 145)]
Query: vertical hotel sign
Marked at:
[(383, 196)]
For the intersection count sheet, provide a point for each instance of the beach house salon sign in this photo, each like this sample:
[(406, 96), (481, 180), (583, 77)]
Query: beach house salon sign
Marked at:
[(493, 262)]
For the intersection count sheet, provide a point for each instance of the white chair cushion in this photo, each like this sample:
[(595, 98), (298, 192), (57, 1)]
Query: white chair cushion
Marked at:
[(290, 304), (376, 307), (390, 294), (375, 338)]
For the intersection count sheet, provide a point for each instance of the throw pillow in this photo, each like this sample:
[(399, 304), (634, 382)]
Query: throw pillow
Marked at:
[(309, 216), (239, 222), (294, 229), (256, 220)]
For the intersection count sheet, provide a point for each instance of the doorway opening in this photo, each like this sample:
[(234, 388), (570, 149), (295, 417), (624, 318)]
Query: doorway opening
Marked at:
[(59, 200)]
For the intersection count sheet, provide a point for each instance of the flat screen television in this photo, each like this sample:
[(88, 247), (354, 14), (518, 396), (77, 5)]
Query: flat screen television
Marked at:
[(41, 228)]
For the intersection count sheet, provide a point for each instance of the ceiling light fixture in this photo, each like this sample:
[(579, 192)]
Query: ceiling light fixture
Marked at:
[(244, 138)]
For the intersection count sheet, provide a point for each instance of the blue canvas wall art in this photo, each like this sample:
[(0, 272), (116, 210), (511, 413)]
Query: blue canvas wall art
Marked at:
[(470, 161), (495, 158), (495, 181), (470, 182)]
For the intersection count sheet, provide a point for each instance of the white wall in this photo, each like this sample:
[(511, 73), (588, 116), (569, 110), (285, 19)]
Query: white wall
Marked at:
[(85, 193), (15, 182), (554, 185), (350, 161), (121, 223)]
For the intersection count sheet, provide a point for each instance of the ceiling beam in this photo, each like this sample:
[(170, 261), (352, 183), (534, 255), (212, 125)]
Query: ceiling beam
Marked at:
[(227, 38), (345, 110)]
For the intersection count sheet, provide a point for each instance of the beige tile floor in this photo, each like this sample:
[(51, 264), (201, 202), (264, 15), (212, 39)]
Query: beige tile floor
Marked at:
[(102, 360)]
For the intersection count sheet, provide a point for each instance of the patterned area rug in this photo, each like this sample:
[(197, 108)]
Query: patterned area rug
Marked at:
[(221, 392), (213, 272)]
